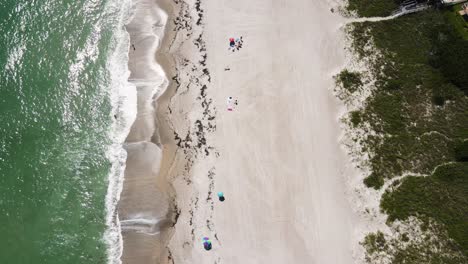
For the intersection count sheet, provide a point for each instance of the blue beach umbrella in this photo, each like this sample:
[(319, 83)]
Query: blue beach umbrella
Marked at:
[(207, 245), (221, 196)]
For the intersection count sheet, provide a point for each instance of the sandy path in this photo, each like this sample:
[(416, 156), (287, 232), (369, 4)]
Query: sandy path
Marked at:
[(280, 164)]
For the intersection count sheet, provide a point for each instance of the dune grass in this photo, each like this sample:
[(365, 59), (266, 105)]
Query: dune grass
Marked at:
[(460, 23), (443, 196), (418, 110), (418, 113), (349, 80), (370, 8)]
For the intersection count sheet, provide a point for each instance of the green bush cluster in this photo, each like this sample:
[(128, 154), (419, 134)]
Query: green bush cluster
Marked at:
[(442, 196), (449, 55), (461, 151), (355, 118), (374, 181), (416, 128), (370, 8), (460, 23), (431, 246), (375, 242), (350, 81), (419, 112)]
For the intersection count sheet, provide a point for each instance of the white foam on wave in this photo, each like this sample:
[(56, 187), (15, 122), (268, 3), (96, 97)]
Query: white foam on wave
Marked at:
[(124, 109), (146, 32), (124, 102), (147, 226), (88, 54), (14, 57)]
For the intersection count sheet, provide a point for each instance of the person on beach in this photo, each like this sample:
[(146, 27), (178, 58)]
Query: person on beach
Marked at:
[(235, 44), (230, 105)]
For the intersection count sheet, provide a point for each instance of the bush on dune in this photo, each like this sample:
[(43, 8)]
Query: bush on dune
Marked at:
[(449, 56), (461, 151), (370, 8), (442, 196), (350, 81)]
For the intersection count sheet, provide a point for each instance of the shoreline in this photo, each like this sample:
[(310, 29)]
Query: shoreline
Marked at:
[(144, 208)]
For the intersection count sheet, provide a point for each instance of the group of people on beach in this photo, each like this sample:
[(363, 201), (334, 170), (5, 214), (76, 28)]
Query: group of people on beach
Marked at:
[(231, 103), (235, 44)]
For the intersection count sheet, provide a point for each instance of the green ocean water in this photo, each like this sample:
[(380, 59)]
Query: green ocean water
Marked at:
[(55, 118)]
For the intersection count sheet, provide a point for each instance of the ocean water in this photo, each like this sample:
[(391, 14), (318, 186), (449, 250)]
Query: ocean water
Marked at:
[(65, 108)]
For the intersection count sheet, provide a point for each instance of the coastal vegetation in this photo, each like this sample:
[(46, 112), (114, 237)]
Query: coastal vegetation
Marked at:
[(369, 8), (417, 111), (412, 242), (459, 23), (443, 196), (350, 81), (418, 108), (355, 118), (461, 151)]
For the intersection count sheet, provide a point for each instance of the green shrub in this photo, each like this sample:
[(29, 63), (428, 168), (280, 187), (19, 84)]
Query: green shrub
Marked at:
[(461, 152), (449, 56), (374, 181), (442, 197), (393, 84), (420, 62), (355, 118), (398, 110), (351, 81), (370, 8), (375, 242), (438, 100)]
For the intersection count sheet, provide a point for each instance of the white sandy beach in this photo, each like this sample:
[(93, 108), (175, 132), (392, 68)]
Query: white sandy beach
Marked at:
[(277, 156)]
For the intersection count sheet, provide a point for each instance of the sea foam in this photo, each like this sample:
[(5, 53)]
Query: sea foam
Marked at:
[(124, 109), (136, 81)]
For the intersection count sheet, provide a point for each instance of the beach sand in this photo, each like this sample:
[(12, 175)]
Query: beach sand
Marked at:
[(277, 155)]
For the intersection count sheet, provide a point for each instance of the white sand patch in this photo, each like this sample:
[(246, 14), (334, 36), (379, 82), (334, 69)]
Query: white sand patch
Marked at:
[(281, 166)]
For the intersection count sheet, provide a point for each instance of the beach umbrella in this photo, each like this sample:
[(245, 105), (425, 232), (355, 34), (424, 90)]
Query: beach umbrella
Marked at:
[(207, 245), (221, 196)]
